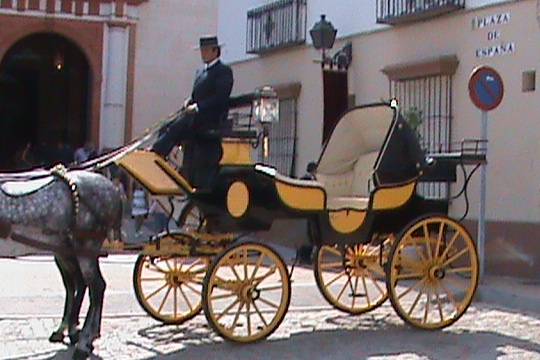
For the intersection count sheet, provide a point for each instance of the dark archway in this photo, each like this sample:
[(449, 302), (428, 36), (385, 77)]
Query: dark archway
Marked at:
[(44, 101)]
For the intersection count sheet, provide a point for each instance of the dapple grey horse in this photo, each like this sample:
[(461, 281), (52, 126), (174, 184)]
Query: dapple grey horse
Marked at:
[(69, 213)]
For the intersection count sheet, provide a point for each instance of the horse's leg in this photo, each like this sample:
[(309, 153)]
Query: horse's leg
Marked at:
[(96, 286), (69, 285), (80, 289)]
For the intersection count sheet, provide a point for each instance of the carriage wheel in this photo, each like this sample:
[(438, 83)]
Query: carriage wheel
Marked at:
[(352, 281), (246, 292), (169, 288), (432, 272)]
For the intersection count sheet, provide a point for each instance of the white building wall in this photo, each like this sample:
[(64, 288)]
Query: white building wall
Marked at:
[(348, 16), (165, 59)]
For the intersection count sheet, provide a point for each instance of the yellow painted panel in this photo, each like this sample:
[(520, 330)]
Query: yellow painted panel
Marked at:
[(238, 199), (154, 173), (394, 197), (236, 152), (301, 198), (346, 221)]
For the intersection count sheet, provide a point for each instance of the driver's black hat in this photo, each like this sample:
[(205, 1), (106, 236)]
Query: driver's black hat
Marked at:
[(211, 40)]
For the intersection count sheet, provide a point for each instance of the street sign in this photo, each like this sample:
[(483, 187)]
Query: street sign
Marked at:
[(486, 88)]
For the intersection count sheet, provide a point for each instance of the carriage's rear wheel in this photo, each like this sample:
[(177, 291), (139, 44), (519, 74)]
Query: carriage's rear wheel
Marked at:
[(246, 292), (432, 272), (169, 288), (352, 280)]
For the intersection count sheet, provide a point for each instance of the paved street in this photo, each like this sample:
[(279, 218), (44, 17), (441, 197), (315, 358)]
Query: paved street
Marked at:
[(32, 300)]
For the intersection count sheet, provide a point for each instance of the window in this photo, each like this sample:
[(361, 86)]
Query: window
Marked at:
[(275, 26)]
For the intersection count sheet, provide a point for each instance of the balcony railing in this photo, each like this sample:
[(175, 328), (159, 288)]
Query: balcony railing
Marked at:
[(395, 12), (275, 26)]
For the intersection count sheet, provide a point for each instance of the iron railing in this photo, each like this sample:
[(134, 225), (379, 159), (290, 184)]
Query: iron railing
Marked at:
[(275, 26), (427, 103), (400, 11)]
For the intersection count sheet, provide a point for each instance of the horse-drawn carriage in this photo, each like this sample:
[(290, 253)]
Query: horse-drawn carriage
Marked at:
[(375, 237)]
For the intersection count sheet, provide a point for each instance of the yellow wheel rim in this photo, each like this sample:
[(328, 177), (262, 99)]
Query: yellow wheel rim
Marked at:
[(433, 273), (353, 281), (247, 293), (169, 289)]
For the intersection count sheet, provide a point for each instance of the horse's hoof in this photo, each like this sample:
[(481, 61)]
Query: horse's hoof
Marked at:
[(74, 337), (79, 354), (57, 337)]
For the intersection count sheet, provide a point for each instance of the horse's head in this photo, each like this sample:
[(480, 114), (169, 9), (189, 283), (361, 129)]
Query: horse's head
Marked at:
[(5, 229)]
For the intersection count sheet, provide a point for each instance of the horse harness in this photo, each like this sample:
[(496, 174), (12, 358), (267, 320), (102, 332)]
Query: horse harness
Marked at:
[(60, 172)]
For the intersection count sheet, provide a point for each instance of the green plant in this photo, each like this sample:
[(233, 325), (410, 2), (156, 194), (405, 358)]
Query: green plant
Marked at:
[(414, 118)]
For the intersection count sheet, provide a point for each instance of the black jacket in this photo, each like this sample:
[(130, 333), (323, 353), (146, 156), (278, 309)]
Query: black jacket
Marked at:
[(211, 92)]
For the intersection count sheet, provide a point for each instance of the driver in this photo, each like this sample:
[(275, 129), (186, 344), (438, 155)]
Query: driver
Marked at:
[(207, 108)]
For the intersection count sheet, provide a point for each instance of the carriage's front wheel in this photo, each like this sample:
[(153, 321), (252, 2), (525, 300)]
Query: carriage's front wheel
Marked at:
[(246, 292), (432, 272), (352, 280), (169, 288)]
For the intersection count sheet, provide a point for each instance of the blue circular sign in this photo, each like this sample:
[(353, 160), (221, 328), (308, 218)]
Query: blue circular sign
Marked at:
[(486, 88)]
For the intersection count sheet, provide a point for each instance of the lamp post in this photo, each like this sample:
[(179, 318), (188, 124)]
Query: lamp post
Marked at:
[(323, 34)]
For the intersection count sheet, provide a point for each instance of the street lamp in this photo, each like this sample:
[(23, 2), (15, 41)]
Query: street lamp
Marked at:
[(323, 34)]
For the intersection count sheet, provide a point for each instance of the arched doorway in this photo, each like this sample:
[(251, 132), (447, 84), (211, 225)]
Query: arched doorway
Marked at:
[(44, 101)]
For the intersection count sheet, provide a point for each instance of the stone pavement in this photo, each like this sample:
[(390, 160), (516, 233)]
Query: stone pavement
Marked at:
[(483, 333)]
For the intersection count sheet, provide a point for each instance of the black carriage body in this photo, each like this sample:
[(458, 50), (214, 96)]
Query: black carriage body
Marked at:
[(399, 163)]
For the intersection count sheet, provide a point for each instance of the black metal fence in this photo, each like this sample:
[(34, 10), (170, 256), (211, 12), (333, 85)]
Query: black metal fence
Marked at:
[(275, 26), (427, 104), (396, 11)]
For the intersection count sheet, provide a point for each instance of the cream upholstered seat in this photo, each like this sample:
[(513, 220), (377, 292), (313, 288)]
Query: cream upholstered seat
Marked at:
[(346, 165)]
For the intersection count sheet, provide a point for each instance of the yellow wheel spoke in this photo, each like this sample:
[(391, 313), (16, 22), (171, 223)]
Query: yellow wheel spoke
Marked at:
[(336, 278), (374, 281), (260, 314), (153, 279), (366, 290), (428, 300), (416, 300), (222, 296), (192, 288), (235, 273), (332, 250), (409, 276), (439, 306), (332, 265), (185, 297), (248, 316), (175, 296), (245, 263), (450, 296), (343, 288), (269, 303), (450, 244), (168, 265), (455, 257), (237, 316), (164, 299), (219, 316), (459, 270), (421, 282), (266, 275), (415, 244), (428, 241), (257, 265), (439, 239), (270, 288), (355, 289), (198, 261), (156, 269), (155, 292)]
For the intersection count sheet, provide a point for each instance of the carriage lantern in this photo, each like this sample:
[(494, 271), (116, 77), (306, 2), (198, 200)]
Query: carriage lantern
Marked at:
[(266, 105)]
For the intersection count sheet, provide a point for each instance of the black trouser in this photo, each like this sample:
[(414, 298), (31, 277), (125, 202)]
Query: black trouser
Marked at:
[(181, 129)]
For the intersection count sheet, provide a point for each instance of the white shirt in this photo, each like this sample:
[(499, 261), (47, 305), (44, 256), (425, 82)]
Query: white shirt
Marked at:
[(211, 63)]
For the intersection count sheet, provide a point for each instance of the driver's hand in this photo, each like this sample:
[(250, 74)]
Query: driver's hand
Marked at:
[(186, 102), (192, 109)]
